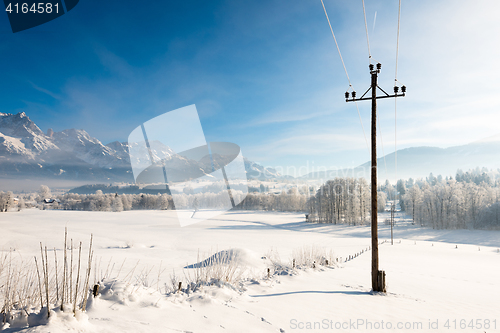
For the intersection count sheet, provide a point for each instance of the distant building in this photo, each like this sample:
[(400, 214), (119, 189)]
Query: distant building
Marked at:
[(51, 201)]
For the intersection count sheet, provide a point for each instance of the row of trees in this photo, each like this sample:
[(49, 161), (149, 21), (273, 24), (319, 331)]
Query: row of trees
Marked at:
[(111, 202), (454, 204), (343, 200), (471, 200), (290, 200)]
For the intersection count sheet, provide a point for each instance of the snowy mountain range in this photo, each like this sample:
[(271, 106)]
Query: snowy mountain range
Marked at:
[(26, 152), (29, 154)]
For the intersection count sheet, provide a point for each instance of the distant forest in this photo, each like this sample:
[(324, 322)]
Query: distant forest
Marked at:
[(471, 200)]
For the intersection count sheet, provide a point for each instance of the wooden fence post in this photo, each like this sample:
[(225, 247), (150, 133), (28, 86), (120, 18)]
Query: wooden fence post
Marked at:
[(95, 291)]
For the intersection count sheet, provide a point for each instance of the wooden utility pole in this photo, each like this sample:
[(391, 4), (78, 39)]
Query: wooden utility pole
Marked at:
[(393, 212), (374, 214), (378, 277)]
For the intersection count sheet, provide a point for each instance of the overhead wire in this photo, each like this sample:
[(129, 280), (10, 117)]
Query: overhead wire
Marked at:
[(345, 69), (367, 39), (336, 44), (397, 43), (396, 102)]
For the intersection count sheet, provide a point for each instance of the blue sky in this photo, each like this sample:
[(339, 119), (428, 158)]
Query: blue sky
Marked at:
[(263, 74)]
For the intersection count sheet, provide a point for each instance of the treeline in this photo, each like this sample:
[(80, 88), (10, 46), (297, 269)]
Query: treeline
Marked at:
[(291, 200), (470, 201), (110, 202), (120, 202), (343, 200)]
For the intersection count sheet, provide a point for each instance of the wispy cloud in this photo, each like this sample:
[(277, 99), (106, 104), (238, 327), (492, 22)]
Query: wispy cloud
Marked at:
[(315, 106), (45, 91)]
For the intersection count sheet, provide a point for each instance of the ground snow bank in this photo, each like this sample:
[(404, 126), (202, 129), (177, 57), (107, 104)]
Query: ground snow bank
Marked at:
[(239, 257), (429, 277), (58, 322)]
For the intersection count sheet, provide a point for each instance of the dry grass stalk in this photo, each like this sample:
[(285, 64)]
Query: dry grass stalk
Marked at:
[(57, 282), (77, 278), (39, 284), (89, 266), (71, 275)]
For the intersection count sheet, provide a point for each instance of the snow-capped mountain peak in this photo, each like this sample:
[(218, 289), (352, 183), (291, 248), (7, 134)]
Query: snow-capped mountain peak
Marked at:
[(26, 150), (18, 125)]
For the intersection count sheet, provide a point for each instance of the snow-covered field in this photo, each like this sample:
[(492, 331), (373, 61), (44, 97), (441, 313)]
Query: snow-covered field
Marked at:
[(438, 281)]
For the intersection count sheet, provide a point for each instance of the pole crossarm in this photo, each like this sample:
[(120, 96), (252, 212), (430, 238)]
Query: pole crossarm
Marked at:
[(370, 98)]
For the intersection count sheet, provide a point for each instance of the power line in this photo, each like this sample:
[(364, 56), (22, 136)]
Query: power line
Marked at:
[(396, 102), (397, 42), (366, 29), (338, 49), (396, 140), (345, 69)]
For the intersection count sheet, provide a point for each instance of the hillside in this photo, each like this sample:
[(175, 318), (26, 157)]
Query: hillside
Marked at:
[(418, 162)]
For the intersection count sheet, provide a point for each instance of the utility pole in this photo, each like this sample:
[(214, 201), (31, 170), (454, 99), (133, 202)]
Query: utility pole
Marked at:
[(378, 277), (393, 212)]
